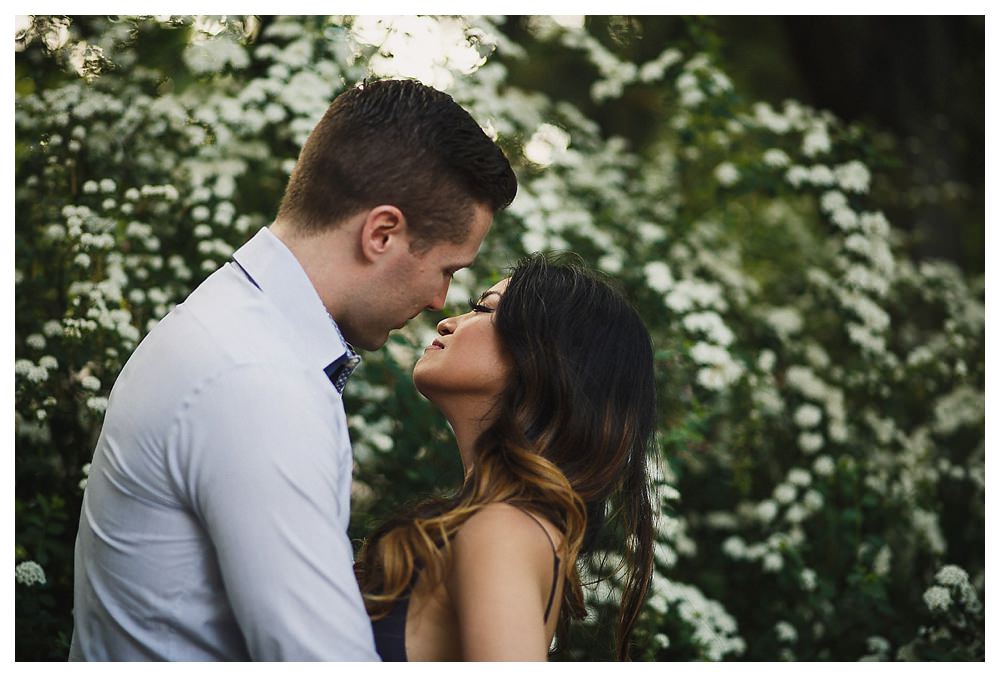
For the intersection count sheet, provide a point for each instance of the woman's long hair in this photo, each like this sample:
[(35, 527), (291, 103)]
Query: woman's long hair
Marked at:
[(570, 441)]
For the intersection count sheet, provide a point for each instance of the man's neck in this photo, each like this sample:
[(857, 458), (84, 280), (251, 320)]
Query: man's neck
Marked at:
[(322, 257)]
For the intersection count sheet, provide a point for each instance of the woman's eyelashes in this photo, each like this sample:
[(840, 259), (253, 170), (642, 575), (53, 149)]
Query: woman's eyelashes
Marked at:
[(478, 307)]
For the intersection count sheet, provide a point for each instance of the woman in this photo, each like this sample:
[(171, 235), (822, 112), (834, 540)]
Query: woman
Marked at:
[(548, 385)]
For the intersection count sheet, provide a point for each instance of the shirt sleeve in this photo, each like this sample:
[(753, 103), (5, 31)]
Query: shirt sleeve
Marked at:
[(262, 461)]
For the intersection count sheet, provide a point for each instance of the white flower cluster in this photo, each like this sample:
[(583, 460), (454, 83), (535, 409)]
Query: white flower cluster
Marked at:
[(928, 526), (816, 140), (713, 628), (719, 370), (727, 174), (711, 325), (35, 373), (962, 407), (690, 293), (214, 54), (777, 158), (770, 552), (786, 632), (672, 538), (547, 144), (952, 586), (937, 598), (878, 649), (29, 573), (699, 80), (658, 276), (786, 322), (831, 400)]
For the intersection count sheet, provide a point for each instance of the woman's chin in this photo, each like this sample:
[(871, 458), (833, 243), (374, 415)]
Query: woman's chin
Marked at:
[(421, 381)]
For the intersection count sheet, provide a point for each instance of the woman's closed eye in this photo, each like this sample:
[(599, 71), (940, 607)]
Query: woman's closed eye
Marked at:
[(477, 307)]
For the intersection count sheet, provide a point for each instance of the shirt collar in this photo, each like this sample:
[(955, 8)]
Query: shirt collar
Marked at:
[(273, 268)]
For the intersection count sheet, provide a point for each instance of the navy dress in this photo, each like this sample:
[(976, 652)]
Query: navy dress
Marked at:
[(390, 630)]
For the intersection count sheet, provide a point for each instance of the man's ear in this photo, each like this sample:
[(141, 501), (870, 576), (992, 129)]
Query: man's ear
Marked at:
[(384, 227)]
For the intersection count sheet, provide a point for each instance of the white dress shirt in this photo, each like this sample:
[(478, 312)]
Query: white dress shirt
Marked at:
[(214, 523)]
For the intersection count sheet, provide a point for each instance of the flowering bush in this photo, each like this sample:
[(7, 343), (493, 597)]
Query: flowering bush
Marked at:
[(822, 395)]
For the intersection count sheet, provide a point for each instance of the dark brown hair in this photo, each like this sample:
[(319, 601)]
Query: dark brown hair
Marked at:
[(401, 143), (571, 439)]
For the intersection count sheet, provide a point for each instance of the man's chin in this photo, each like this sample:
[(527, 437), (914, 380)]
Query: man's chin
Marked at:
[(370, 343)]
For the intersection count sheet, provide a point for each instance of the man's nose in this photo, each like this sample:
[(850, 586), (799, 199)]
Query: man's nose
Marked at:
[(437, 303)]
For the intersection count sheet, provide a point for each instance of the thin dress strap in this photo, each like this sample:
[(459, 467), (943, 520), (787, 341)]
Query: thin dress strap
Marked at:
[(555, 563)]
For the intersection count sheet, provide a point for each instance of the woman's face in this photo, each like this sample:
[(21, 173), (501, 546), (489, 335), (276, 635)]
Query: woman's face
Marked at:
[(467, 358)]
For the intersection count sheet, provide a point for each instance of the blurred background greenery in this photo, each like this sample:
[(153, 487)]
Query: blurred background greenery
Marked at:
[(148, 148)]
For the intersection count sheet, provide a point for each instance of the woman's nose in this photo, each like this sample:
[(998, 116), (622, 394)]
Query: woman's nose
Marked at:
[(446, 326)]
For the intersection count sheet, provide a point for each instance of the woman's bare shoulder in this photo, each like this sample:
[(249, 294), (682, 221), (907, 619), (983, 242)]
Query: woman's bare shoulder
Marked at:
[(499, 525)]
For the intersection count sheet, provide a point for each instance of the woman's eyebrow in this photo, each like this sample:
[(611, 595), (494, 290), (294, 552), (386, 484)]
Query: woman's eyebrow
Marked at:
[(487, 294)]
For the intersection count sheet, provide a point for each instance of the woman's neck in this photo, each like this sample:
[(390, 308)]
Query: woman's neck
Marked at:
[(469, 416)]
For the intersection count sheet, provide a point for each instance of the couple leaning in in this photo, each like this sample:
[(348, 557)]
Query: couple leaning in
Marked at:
[(214, 523)]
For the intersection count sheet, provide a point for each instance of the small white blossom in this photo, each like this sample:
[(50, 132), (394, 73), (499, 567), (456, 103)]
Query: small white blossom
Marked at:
[(833, 201), (766, 360), (686, 294), (766, 510), (90, 383), (813, 500), (734, 547), (547, 144), (29, 573), (853, 176), (883, 561), (937, 598), (952, 575), (650, 232), (816, 141), (611, 263), (786, 632), (810, 442), (98, 404), (799, 477), (821, 175), (785, 321), (108, 186), (773, 561), (797, 175), (769, 400), (808, 416), (90, 187), (796, 514), (727, 174), (875, 223), (784, 493), (658, 276), (845, 218), (808, 579), (710, 324), (823, 466), (36, 341), (767, 117), (775, 157)]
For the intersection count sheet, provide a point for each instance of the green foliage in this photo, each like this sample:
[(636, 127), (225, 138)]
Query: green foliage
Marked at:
[(821, 394)]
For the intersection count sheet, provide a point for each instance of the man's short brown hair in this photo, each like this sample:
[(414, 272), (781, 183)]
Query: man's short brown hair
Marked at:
[(402, 143)]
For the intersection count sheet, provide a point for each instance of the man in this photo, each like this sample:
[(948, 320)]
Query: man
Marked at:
[(214, 520)]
